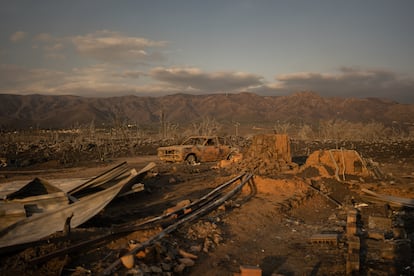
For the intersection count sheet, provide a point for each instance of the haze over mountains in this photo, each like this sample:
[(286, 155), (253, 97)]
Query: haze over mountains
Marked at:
[(57, 112)]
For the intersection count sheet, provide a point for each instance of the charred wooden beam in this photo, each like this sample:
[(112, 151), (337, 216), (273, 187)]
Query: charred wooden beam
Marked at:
[(189, 217), (127, 227)]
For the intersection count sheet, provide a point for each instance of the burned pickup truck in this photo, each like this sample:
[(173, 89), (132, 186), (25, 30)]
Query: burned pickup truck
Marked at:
[(197, 149)]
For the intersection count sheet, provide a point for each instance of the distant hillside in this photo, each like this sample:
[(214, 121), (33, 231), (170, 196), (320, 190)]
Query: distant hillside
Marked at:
[(19, 112)]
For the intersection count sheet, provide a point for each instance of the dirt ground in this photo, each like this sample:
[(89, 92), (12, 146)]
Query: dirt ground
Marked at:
[(268, 225)]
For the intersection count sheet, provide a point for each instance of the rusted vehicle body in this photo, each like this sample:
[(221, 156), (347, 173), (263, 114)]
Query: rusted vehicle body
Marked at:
[(197, 149)]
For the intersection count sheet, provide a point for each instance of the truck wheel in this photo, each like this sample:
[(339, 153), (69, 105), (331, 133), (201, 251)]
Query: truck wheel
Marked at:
[(191, 159)]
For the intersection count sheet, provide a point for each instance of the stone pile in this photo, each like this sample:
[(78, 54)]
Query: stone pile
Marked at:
[(162, 258), (209, 233), (167, 258)]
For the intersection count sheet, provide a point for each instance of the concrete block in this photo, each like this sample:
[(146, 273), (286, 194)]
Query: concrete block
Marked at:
[(354, 243), (351, 229), (352, 216), (397, 250), (247, 270), (376, 235), (399, 233), (379, 223), (352, 264), (325, 238)]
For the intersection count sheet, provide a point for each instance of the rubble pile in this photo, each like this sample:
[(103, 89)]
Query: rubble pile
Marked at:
[(336, 214), (167, 258), (162, 257), (208, 232), (268, 154), (336, 163), (379, 240)]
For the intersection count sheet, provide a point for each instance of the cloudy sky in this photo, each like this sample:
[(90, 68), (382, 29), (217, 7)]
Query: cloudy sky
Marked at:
[(361, 48)]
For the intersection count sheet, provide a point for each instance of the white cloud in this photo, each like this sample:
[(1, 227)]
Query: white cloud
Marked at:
[(21, 80), (129, 74), (54, 47), (44, 37), (51, 46), (97, 80), (18, 36), (102, 46), (347, 82), (55, 56), (107, 79), (197, 80), (114, 47)]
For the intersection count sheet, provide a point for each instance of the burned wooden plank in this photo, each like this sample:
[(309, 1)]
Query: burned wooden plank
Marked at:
[(130, 227), (189, 217), (391, 200)]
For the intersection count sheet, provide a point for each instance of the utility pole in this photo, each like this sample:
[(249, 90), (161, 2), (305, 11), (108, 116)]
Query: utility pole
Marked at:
[(162, 119), (237, 124)]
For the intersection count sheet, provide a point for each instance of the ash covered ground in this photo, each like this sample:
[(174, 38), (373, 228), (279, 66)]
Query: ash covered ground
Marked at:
[(277, 223)]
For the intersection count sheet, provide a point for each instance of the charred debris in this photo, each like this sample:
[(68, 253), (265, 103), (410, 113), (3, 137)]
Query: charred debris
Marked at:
[(45, 224)]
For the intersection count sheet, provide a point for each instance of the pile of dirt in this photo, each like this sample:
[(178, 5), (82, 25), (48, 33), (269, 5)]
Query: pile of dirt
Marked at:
[(290, 193)]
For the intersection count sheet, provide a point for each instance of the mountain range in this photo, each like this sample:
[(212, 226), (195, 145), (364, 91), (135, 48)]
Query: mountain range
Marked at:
[(58, 112)]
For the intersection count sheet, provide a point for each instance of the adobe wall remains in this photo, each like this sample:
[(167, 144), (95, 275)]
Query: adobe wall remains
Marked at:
[(268, 154)]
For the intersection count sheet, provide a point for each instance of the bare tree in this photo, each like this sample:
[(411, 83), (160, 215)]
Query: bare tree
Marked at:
[(282, 127), (208, 126)]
